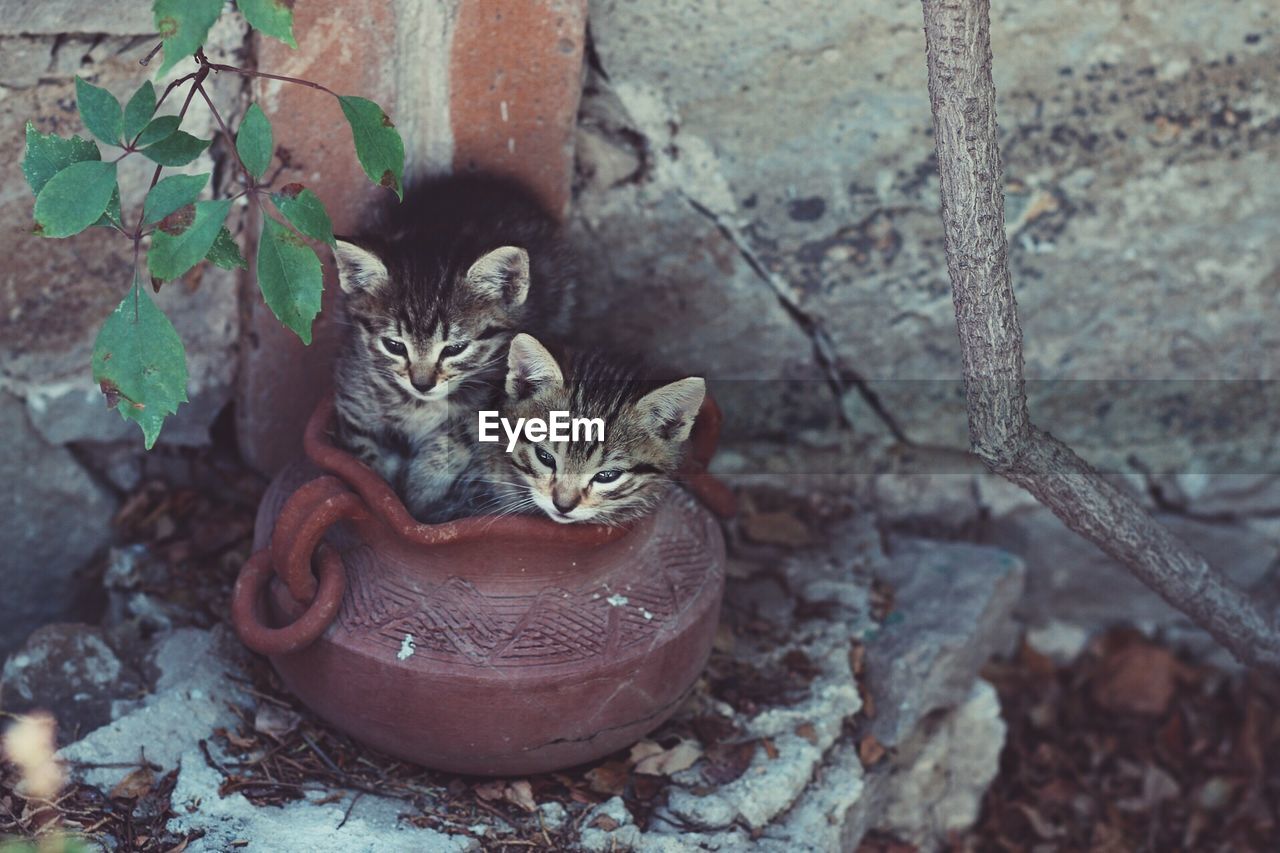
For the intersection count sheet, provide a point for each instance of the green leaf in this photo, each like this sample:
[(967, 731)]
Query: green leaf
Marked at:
[(184, 237), (179, 149), (99, 110), (139, 110), (184, 25), (290, 277), (75, 198), (304, 209), (158, 129), (140, 365), (47, 155), (253, 141), (273, 17), (378, 143), (225, 253), (172, 193), (112, 215)]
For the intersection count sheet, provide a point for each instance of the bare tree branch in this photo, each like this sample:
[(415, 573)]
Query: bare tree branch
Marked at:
[(962, 96)]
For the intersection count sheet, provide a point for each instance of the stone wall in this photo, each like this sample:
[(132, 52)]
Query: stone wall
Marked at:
[(65, 456), (758, 198)]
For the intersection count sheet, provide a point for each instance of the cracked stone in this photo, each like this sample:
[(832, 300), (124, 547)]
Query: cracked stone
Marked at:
[(754, 116), (70, 669), (950, 615), (941, 791)]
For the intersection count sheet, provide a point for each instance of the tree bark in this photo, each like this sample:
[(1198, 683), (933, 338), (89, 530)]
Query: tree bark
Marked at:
[(962, 97)]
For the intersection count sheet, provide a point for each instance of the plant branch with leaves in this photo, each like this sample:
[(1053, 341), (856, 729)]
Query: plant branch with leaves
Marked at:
[(139, 361)]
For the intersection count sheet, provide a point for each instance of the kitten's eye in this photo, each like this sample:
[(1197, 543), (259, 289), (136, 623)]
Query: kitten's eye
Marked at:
[(454, 349), (545, 458), (395, 347), (609, 476)]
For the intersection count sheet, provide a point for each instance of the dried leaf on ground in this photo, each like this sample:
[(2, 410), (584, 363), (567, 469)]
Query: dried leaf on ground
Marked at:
[(273, 720), (726, 762), (517, 792), (609, 778), (682, 756), (136, 784), (870, 750), (777, 528), (1137, 677)]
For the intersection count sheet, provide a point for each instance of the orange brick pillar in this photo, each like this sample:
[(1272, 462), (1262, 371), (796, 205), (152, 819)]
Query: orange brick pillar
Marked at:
[(471, 84)]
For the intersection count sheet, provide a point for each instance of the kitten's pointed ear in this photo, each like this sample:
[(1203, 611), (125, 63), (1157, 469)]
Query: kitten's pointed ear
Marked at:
[(530, 367), (670, 411), (502, 274), (359, 270)]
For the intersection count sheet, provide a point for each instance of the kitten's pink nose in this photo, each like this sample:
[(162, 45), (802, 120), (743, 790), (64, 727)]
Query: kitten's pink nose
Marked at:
[(423, 384), (564, 508)]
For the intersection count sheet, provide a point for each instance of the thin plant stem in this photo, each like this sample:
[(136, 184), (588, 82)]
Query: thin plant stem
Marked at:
[(251, 73), (198, 78), (227, 134)]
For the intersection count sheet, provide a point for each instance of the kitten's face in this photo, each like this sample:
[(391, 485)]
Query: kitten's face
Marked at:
[(608, 482), (425, 332)]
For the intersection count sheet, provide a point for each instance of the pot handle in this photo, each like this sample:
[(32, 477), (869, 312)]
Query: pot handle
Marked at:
[(717, 497), (303, 521)]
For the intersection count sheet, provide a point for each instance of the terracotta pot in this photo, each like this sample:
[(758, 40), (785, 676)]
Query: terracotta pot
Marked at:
[(485, 645)]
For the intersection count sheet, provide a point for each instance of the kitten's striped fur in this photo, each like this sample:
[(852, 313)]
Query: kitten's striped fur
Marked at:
[(432, 298), (647, 425)]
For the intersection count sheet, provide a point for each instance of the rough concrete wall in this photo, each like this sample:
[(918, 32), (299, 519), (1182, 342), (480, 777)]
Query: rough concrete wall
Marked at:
[(55, 294), (773, 161)]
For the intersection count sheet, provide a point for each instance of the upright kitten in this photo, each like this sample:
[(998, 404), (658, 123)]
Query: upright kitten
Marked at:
[(608, 482), (433, 296)]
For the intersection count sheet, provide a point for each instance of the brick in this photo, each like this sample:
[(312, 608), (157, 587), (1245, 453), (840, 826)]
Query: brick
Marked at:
[(515, 75)]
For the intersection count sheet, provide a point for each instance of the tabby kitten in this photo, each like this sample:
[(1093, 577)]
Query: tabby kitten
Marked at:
[(609, 482), (432, 299)]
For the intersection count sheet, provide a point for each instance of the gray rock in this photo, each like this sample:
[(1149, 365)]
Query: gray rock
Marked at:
[(76, 411), (827, 817), (54, 17), (941, 791), (1226, 495), (553, 815), (194, 694), (53, 518), (1070, 580), (609, 826), (191, 697), (951, 613), (373, 826), (740, 313), (68, 669)]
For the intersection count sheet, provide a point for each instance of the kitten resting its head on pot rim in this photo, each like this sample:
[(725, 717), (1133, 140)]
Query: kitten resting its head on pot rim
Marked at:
[(432, 297), (618, 479)]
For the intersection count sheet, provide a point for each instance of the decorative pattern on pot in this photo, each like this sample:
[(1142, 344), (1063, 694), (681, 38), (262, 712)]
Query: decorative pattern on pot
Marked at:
[(484, 645)]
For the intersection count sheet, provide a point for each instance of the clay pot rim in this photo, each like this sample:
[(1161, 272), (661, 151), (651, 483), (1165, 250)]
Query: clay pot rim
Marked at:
[(386, 506)]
